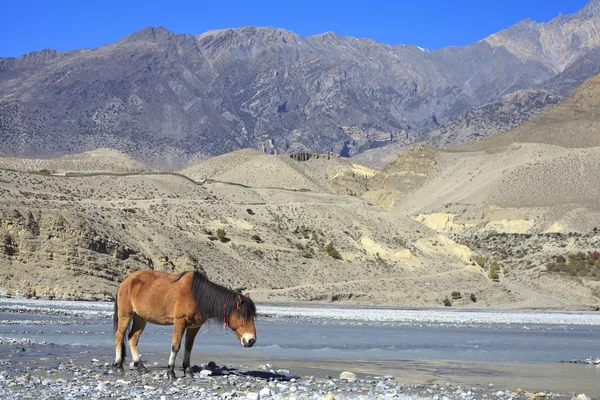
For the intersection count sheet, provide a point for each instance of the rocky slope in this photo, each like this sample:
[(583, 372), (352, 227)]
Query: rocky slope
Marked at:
[(168, 99)]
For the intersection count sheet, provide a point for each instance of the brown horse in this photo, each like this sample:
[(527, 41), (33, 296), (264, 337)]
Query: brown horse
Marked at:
[(185, 300)]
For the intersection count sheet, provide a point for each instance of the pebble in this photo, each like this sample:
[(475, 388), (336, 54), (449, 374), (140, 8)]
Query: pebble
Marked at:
[(205, 373), (349, 376)]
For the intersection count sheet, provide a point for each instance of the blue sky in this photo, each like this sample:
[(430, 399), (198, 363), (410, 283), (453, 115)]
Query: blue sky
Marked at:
[(27, 25)]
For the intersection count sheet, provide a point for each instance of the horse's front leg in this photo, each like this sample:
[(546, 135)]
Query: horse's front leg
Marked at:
[(178, 329), (190, 335)]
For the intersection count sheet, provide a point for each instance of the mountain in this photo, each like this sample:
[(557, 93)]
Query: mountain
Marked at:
[(567, 45), (168, 99)]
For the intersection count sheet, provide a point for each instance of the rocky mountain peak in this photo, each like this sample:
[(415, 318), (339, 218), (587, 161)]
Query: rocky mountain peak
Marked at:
[(169, 98), (148, 34)]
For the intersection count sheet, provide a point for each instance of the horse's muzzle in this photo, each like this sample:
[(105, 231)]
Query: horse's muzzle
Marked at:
[(248, 341)]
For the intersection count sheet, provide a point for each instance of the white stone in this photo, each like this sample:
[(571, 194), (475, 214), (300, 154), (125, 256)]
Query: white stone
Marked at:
[(349, 376)]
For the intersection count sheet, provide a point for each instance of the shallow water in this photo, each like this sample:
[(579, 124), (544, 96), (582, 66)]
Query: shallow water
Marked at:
[(473, 349)]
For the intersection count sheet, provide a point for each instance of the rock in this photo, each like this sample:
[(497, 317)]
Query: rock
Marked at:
[(264, 392), (205, 373), (252, 396), (582, 396), (211, 365), (329, 397), (348, 376)]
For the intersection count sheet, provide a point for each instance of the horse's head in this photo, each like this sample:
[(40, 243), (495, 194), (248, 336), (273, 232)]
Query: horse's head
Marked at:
[(241, 320)]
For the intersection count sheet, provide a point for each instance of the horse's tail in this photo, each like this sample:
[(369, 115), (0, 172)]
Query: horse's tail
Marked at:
[(116, 324)]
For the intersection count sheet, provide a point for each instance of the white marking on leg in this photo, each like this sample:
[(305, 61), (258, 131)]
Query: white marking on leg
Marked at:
[(135, 354), (172, 358), (119, 355)]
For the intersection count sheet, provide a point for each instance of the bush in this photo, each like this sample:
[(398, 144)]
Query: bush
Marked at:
[(578, 264), (332, 251), (494, 268), (473, 298), (249, 211), (256, 238), (456, 295), (222, 235), (447, 302), (481, 260)]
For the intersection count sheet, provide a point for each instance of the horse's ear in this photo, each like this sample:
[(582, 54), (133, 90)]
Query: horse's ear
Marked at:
[(239, 300), (247, 294)]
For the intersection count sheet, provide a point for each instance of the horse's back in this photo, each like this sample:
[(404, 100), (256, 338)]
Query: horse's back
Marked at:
[(153, 295)]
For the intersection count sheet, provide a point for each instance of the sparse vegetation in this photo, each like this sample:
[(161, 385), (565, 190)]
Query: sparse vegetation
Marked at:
[(494, 268), (456, 295), (249, 211), (473, 298), (331, 251), (480, 260), (222, 235), (256, 238), (380, 260), (447, 302), (578, 264)]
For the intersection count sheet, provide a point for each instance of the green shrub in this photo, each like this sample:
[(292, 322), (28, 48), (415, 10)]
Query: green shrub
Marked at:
[(494, 268), (481, 260), (332, 251), (249, 211), (473, 298), (456, 295), (447, 302), (222, 235), (256, 238)]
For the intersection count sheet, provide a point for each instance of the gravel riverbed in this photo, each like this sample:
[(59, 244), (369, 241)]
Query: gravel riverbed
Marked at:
[(32, 369), (26, 375)]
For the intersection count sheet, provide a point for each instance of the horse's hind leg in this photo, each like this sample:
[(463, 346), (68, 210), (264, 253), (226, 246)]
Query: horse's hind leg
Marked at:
[(178, 329), (134, 337), (120, 332), (190, 335)]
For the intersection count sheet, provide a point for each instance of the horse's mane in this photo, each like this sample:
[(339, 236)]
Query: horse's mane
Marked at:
[(214, 301)]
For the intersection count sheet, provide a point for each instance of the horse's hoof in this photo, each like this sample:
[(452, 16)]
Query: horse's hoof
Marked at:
[(141, 368), (188, 373), (171, 375), (118, 366)]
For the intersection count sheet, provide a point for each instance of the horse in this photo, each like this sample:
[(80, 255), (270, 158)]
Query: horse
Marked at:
[(186, 301)]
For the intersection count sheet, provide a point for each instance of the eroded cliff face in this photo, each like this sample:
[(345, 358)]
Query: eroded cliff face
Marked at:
[(61, 254)]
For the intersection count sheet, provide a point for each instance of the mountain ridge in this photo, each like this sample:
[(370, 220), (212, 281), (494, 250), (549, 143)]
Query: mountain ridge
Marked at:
[(170, 98)]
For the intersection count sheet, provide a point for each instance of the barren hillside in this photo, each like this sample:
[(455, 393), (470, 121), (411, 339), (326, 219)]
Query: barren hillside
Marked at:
[(526, 199), (78, 236)]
